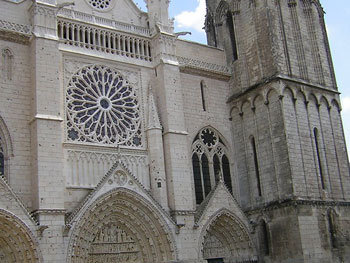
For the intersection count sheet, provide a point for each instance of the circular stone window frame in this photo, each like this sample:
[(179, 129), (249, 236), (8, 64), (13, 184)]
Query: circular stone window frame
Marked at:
[(128, 143), (111, 6)]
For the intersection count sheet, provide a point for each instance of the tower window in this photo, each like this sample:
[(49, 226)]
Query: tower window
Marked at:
[(264, 239), (231, 28), (207, 146), (256, 166), (318, 154), (332, 229)]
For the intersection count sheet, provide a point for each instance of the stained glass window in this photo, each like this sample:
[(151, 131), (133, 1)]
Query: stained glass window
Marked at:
[(210, 163)]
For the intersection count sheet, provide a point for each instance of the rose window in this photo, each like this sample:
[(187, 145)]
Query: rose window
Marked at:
[(102, 108), (100, 4), (209, 138)]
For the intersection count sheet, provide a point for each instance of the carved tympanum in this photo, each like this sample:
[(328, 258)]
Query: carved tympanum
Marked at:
[(114, 244)]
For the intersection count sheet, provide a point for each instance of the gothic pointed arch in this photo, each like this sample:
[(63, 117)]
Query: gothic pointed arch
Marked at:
[(225, 22), (226, 237), (210, 162), (121, 226), (6, 149), (17, 243)]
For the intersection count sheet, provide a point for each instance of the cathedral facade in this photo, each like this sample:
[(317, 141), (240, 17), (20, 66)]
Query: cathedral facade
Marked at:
[(121, 142)]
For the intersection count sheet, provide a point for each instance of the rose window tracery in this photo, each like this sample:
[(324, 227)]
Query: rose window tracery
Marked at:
[(209, 137), (100, 4), (102, 107)]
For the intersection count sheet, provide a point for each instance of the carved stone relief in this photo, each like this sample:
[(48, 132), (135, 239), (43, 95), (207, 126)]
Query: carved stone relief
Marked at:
[(114, 244), (226, 237), (120, 226), (213, 247), (16, 242)]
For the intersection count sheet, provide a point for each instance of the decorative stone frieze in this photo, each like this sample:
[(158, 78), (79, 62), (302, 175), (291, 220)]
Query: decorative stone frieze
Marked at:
[(14, 32), (204, 68)]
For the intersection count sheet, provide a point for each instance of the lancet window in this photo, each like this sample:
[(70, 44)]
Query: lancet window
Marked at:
[(210, 163), (256, 165), (332, 228), (264, 238), (318, 155), (226, 30), (202, 86)]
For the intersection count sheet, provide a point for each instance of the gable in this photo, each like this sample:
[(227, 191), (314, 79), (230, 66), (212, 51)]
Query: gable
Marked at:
[(11, 203), (119, 178)]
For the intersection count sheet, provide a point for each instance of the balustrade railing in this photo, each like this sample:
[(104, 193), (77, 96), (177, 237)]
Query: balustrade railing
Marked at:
[(103, 40), (101, 21)]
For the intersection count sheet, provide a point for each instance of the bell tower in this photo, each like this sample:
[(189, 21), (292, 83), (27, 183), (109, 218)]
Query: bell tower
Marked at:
[(291, 159)]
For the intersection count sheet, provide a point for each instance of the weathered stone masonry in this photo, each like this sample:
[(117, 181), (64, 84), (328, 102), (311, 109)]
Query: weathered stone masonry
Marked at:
[(120, 142)]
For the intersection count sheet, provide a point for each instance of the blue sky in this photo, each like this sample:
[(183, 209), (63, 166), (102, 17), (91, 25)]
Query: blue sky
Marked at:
[(189, 16)]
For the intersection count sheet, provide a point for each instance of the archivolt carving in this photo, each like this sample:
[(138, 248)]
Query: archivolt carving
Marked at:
[(16, 242), (225, 236), (121, 227)]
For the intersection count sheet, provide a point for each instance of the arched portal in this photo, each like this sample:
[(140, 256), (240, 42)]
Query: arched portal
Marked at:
[(16, 242), (122, 227), (226, 239)]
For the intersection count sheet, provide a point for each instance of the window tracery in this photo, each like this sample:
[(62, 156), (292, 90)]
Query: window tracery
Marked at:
[(100, 4), (102, 107), (210, 163)]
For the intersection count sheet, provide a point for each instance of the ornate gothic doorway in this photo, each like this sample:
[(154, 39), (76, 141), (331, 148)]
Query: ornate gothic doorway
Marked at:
[(16, 243), (122, 227), (226, 239)]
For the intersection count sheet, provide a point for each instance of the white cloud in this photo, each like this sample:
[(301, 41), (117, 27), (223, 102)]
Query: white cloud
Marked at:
[(345, 102), (192, 19)]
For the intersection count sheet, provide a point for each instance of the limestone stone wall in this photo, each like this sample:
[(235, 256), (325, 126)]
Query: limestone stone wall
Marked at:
[(73, 193), (15, 113)]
